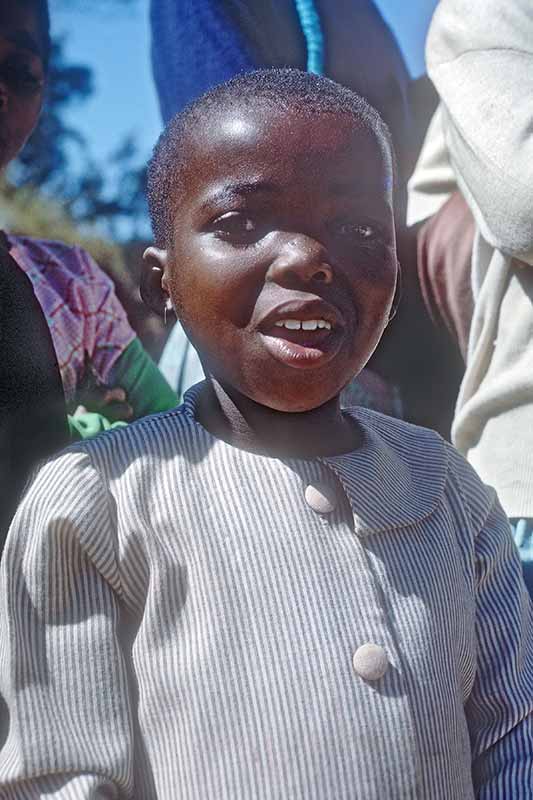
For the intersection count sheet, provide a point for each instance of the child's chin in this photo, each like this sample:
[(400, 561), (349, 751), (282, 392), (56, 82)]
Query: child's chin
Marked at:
[(297, 405)]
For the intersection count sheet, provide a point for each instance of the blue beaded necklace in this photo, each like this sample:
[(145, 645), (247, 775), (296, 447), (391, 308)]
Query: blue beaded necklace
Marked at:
[(312, 31)]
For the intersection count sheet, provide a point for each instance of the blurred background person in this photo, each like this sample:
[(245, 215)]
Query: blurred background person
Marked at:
[(103, 365), (480, 58), (33, 415)]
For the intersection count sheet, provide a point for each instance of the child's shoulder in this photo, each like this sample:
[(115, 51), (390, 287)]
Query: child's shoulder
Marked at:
[(399, 434), (162, 436), (422, 451), (412, 467), (422, 448), (426, 464)]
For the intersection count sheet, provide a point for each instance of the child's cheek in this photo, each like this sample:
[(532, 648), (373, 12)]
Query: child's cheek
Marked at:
[(217, 284), (233, 277)]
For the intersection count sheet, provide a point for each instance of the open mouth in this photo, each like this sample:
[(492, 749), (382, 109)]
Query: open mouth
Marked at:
[(302, 341)]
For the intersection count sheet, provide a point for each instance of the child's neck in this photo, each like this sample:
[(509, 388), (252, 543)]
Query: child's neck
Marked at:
[(234, 418)]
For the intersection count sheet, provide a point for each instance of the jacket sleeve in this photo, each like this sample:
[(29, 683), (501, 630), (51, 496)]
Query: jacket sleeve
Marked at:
[(62, 673), (499, 709), (480, 58)]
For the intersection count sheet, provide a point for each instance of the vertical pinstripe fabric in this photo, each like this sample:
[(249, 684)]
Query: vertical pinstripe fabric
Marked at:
[(177, 622)]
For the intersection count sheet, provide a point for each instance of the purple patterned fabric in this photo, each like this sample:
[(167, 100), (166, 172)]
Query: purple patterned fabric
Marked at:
[(88, 325)]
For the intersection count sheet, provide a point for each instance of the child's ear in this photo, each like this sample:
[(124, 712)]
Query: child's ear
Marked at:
[(152, 285)]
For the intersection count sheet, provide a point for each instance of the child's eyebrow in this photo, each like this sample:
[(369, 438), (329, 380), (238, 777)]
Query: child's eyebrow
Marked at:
[(232, 190), (361, 188)]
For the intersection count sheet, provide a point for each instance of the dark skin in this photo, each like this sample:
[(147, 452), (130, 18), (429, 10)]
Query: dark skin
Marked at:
[(22, 78), (285, 217)]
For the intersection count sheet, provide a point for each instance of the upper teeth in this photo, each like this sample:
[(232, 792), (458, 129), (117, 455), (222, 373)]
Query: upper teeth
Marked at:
[(304, 324)]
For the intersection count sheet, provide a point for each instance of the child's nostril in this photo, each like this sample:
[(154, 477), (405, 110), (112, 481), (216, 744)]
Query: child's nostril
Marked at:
[(321, 275)]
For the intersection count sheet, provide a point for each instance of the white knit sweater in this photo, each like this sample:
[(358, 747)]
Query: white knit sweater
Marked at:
[(480, 58)]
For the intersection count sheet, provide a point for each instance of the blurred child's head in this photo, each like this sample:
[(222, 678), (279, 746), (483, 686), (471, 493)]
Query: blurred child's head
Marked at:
[(24, 55), (271, 203)]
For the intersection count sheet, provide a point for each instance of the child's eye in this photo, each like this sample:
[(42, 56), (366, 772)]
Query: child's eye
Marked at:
[(237, 227), (361, 231)]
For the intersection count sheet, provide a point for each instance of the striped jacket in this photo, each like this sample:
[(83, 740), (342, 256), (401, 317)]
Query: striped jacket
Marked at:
[(185, 620)]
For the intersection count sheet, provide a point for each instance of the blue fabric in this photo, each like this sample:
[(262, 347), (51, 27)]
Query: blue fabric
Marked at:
[(199, 43), (194, 47), (523, 536)]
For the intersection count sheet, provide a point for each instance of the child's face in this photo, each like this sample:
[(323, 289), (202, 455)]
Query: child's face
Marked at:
[(283, 261), (21, 78)]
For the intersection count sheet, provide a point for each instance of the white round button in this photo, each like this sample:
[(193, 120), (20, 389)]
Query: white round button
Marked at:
[(320, 498), (370, 661)]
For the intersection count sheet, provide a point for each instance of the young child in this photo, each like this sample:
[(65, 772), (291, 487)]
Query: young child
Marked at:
[(349, 42), (258, 595), (92, 337)]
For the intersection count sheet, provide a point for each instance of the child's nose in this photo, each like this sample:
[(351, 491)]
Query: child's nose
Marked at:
[(300, 259)]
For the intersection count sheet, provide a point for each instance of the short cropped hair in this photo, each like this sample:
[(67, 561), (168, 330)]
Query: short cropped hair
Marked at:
[(281, 89)]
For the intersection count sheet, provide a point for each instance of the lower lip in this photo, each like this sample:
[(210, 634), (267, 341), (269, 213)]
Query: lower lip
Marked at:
[(302, 356)]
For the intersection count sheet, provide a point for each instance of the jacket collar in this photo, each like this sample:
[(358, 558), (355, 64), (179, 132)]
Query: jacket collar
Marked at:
[(397, 477)]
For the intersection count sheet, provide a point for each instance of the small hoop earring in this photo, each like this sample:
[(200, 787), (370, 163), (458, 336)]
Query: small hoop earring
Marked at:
[(168, 307)]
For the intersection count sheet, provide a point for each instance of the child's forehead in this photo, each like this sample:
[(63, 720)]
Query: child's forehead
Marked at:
[(264, 116), (262, 136)]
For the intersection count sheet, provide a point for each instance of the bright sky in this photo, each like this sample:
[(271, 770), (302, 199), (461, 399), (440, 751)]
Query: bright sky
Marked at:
[(116, 44), (409, 19)]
